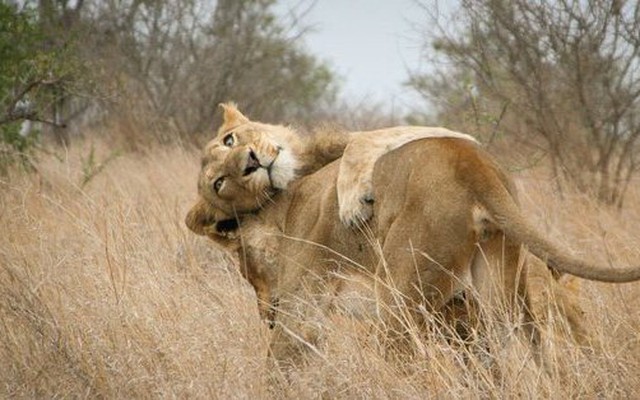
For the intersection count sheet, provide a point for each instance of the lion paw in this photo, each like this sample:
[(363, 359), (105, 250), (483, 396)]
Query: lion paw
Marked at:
[(355, 211)]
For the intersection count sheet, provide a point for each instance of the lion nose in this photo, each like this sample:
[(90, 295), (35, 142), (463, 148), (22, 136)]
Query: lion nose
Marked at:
[(252, 163)]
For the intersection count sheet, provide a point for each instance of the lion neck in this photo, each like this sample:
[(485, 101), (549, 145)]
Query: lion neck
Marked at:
[(271, 215)]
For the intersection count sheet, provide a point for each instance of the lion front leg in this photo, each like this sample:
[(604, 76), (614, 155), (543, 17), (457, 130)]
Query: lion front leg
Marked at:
[(354, 182), (355, 191)]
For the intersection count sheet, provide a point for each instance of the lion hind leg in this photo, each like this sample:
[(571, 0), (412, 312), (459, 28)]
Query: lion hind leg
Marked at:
[(354, 182)]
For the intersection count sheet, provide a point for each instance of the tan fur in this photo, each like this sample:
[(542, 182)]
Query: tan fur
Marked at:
[(283, 155), (556, 304), (443, 211), (354, 184), (310, 154), (301, 156)]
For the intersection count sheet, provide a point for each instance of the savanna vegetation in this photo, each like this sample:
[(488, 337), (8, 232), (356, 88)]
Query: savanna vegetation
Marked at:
[(562, 76), (105, 293)]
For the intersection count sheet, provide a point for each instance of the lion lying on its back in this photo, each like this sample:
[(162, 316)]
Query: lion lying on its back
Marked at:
[(443, 213)]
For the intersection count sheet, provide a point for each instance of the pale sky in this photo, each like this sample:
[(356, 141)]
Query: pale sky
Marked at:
[(369, 43)]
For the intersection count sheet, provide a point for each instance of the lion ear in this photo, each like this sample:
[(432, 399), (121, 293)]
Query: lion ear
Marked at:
[(199, 217), (202, 220), (231, 115), (227, 227)]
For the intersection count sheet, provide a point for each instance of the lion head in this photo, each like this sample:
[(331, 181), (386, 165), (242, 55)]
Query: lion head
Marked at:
[(248, 162), (242, 167)]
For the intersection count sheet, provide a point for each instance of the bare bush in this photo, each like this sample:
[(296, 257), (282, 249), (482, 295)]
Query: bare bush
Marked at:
[(179, 59), (564, 72), (159, 67)]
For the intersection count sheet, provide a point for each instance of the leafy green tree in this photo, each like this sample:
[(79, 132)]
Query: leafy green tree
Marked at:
[(32, 73), (18, 39)]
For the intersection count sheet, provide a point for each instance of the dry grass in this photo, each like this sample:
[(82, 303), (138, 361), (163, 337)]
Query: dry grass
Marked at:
[(105, 293)]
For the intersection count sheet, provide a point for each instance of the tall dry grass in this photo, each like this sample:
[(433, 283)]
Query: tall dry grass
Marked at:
[(105, 293)]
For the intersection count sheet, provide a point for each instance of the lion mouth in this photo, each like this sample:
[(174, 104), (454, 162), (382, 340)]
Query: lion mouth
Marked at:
[(253, 164)]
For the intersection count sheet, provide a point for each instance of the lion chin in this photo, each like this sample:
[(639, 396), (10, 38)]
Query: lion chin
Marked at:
[(441, 215), (283, 169)]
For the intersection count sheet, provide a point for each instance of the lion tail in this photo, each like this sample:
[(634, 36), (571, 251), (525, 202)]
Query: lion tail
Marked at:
[(506, 215)]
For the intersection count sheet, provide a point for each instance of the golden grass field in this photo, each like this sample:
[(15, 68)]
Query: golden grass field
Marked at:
[(104, 293)]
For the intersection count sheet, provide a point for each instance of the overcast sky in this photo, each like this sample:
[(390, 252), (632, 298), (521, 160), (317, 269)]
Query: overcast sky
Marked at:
[(369, 43)]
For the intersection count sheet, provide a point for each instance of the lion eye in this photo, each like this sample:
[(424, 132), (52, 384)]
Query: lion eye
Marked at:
[(217, 185), (228, 140)]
